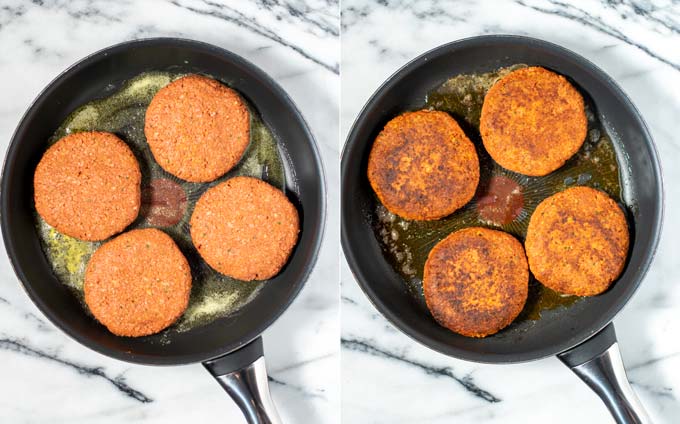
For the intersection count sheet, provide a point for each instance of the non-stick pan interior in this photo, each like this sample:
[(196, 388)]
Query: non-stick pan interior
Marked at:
[(97, 77), (559, 328), (167, 201)]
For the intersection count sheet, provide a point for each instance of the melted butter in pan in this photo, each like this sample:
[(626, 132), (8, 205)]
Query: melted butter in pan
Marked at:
[(167, 200)]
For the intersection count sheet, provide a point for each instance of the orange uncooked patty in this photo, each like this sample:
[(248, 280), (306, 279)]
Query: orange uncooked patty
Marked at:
[(577, 241), (245, 228), (422, 166), (138, 283), (197, 128), (476, 281), (87, 186), (533, 121)]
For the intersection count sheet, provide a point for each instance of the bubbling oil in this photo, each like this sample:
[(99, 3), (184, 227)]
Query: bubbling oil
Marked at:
[(406, 244), (122, 112)]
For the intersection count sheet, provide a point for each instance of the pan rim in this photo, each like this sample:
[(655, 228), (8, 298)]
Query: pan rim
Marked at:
[(179, 359), (352, 142)]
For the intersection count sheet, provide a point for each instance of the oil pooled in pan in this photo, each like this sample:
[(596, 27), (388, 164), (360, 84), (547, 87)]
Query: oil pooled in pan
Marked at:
[(504, 200), (167, 202)]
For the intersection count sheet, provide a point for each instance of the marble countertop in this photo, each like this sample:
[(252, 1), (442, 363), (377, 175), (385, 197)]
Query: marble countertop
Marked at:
[(49, 378), (387, 377)]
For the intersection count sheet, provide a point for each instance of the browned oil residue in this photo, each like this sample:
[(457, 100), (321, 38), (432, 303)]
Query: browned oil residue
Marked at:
[(164, 202), (504, 200), (501, 202)]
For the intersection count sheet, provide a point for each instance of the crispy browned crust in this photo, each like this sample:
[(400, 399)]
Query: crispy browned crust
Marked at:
[(87, 186), (577, 241), (533, 121), (476, 281), (197, 128), (245, 228), (138, 283), (422, 166)]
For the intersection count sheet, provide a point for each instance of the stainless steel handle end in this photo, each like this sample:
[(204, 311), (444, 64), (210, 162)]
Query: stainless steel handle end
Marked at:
[(250, 390), (606, 375), (243, 375)]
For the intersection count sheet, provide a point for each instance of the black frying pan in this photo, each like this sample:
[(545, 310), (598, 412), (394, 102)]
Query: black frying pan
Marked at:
[(581, 335), (230, 347)]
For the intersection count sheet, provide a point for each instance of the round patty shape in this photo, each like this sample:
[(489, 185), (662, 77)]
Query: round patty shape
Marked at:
[(138, 283), (87, 186), (422, 166), (532, 121), (476, 281), (197, 128), (577, 241), (245, 228)]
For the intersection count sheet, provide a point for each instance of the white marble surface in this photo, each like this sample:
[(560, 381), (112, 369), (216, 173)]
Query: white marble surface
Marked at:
[(48, 378), (386, 377)]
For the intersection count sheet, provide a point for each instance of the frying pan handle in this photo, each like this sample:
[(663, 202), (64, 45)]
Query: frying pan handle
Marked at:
[(597, 361), (243, 375)]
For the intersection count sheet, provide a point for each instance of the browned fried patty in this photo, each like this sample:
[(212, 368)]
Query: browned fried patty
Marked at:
[(422, 166), (197, 128), (476, 281), (532, 121), (87, 185), (245, 228), (138, 283), (577, 241)]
